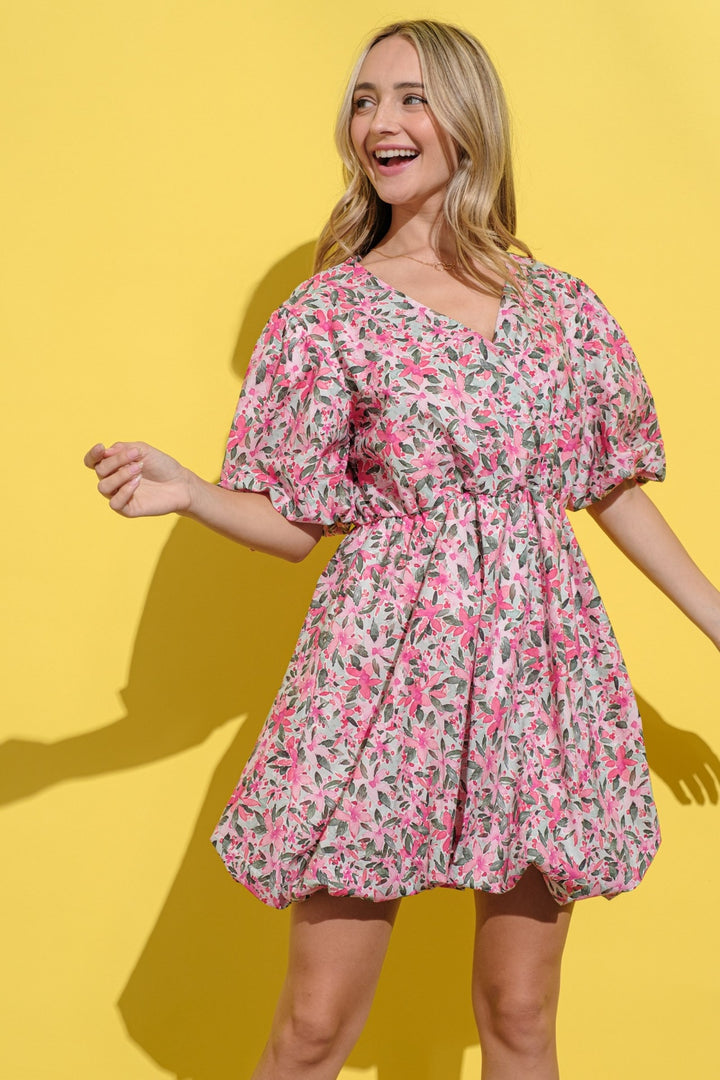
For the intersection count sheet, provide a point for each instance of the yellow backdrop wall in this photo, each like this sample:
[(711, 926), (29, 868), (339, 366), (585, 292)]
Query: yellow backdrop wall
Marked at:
[(168, 164)]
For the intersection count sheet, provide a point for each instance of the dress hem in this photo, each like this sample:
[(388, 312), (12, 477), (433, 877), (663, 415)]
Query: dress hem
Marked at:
[(497, 888)]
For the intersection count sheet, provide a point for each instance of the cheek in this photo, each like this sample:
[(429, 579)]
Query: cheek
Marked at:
[(358, 131), (447, 159), (443, 147), (357, 135)]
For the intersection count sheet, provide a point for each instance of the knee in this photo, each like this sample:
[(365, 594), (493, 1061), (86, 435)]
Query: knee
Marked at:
[(521, 1019), (307, 1035)]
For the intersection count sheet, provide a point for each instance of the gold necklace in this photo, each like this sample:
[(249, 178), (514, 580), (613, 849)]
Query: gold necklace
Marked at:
[(440, 266)]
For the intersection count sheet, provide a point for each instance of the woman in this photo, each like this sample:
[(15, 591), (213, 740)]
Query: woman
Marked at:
[(456, 712)]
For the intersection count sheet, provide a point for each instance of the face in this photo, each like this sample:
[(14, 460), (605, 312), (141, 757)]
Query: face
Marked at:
[(401, 147)]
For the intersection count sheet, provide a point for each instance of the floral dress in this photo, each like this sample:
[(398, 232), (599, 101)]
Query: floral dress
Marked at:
[(456, 708)]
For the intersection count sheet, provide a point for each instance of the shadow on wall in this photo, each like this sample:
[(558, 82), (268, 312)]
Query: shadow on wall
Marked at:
[(202, 994)]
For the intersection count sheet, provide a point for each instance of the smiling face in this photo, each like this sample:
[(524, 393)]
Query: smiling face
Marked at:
[(407, 157)]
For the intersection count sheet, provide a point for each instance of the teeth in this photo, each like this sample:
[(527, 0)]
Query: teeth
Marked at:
[(383, 155)]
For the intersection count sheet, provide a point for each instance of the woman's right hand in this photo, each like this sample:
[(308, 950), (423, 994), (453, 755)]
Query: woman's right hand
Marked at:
[(140, 481)]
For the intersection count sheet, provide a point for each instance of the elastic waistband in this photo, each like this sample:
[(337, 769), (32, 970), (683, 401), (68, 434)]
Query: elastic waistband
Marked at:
[(450, 499), (513, 490)]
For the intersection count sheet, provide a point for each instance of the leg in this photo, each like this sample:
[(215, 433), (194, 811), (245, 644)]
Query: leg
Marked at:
[(337, 947), (516, 979)]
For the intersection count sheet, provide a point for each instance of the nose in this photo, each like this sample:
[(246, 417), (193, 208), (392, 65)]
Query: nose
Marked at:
[(384, 118)]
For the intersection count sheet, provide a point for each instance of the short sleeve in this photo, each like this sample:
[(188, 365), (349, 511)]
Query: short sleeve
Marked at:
[(290, 435), (620, 435)]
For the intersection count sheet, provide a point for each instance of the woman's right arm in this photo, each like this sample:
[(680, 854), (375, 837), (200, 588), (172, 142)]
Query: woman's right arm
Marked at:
[(140, 481)]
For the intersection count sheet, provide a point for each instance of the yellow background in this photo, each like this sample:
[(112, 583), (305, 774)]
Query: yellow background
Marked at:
[(166, 165)]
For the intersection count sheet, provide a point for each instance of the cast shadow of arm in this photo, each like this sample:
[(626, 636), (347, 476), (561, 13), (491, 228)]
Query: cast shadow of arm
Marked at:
[(217, 629), (201, 658), (210, 611)]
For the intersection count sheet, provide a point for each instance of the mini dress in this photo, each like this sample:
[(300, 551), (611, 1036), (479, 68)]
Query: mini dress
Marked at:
[(456, 708)]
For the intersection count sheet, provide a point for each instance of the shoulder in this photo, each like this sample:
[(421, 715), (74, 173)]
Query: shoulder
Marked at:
[(327, 312), (577, 307), (317, 324), (543, 280), (331, 291)]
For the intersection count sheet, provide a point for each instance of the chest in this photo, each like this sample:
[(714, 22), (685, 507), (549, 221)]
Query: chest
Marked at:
[(441, 293)]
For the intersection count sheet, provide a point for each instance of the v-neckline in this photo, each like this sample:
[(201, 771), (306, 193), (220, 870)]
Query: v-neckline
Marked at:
[(385, 286)]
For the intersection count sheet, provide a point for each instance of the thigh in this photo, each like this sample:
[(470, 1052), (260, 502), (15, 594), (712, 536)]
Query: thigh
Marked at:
[(519, 940), (337, 947)]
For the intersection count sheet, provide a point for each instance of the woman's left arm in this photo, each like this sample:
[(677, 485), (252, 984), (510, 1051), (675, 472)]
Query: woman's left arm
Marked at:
[(636, 526)]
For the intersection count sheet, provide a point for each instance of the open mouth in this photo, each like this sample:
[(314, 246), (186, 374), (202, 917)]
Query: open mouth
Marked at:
[(388, 159)]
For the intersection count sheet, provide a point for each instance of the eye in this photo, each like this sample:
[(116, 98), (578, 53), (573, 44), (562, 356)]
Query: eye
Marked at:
[(361, 103), (414, 99)]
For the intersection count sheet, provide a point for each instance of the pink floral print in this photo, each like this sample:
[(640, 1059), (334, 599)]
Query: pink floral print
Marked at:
[(456, 708)]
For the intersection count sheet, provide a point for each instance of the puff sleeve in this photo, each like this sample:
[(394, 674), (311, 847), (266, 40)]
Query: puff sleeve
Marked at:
[(619, 434), (291, 432)]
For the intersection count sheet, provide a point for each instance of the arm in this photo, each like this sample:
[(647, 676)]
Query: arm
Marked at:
[(638, 529), (140, 481)]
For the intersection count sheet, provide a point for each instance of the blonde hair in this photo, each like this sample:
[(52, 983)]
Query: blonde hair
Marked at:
[(465, 95)]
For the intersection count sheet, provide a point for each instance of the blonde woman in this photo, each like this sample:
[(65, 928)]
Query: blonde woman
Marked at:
[(456, 712)]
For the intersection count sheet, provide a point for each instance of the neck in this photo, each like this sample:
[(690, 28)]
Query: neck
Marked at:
[(418, 232)]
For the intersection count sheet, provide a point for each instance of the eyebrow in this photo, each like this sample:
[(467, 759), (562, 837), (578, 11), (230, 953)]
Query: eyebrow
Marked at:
[(397, 86)]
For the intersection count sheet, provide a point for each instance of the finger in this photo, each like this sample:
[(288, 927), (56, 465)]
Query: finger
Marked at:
[(119, 447), (123, 496), (112, 483), (94, 455), (713, 763), (693, 785), (707, 780), (114, 448), (679, 792), (110, 464)]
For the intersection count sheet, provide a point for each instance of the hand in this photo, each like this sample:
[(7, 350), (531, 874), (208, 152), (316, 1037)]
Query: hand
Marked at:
[(138, 480)]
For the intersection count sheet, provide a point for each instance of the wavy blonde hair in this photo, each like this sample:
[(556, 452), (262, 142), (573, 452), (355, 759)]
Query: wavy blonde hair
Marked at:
[(465, 95)]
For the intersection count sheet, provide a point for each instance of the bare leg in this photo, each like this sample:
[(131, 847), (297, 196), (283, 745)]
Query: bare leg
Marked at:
[(337, 948), (519, 942)]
